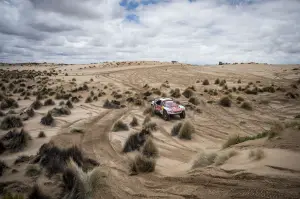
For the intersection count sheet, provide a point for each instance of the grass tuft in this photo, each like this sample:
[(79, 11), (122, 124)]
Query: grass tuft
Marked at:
[(120, 126), (176, 128), (186, 130), (225, 101), (134, 122)]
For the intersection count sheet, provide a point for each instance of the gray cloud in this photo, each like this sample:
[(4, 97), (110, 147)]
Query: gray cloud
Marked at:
[(205, 31)]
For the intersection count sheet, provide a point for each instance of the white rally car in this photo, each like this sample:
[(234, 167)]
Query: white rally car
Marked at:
[(167, 107)]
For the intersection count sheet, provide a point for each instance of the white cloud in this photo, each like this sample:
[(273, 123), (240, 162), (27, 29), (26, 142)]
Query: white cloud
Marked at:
[(204, 32)]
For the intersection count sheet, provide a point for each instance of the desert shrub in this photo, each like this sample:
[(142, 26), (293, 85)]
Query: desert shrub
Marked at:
[(194, 100), (223, 157), (176, 93), (135, 141), (142, 164), (147, 93), (41, 134), (92, 93), (120, 126), (147, 119), (95, 98), (64, 110), (239, 81), (47, 120), (69, 104), (3, 167), (11, 121), (79, 184), (134, 122), (239, 98), (8, 103), (74, 79), (32, 170), (15, 141), (166, 85), (156, 91), (49, 102), (222, 82), (147, 110), (13, 196), (176, 128), (149, 149), (110, 105), (205, 82), (61, 103), (37, 193), (188, 93), (291, 95), (75, 130), (186, 130), (204, 159), (247, 106), (257, 154), (138, 102), (2, 114), (74, 99), (88, 99), (22, 159), (150, 126), (217, 81), (225, 101), (269, 89), (36, 105), (54, 159)]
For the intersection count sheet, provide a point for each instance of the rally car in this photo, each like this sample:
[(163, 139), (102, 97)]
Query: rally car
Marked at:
[(167, 107)]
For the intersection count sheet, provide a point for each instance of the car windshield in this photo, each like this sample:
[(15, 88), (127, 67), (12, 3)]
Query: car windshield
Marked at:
[(170, 104)]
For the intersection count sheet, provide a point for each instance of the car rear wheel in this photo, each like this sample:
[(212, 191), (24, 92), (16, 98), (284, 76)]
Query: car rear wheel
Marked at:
[(166, 116), (182, 115)]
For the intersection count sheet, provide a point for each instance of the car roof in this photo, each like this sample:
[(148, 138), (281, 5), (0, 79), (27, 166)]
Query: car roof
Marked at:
[(165, 99)]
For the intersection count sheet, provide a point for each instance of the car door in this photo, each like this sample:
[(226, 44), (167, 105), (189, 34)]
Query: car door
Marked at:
[(158, 105)]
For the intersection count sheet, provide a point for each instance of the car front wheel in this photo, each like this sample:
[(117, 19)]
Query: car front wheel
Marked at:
[(182, 115), (166, 116)]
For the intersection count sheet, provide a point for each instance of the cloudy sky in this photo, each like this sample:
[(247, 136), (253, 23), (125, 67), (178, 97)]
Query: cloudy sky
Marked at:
[(191, 31)]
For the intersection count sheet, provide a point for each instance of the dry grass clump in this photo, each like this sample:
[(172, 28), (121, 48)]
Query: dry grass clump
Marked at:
[(3, 167), (142, 164), (33, 170), (225, 101), (36, 105), (269, 89), (88, 99), (13, 196), (186, 130), (147, 119), (222, 82), (75, 130), (49, 102), (47, 120), (134, 122), (147, 110), (257, 154), (188, 93), (222, 158), (16, 141), (41, 134), (194, 100), (11, 121), (135, 141), (206, 159), (69, 104), (37, 193), (120, 126), (64, 110), (247, 106), (205, 82), (74, 99), (176, 93), (2, 114), (239, 98), (151, 126), (8, 103), (149, 149), (176, 128), (217, 81), (111, 104)]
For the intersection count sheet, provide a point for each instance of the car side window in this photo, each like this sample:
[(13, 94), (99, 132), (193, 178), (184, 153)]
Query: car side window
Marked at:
[(158, 102)]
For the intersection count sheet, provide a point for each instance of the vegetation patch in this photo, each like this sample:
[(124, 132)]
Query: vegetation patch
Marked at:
[(186, 131), (11, 121), (120, 126)]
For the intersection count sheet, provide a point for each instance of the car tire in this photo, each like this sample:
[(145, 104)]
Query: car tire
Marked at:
[(153, 110), (182, 115), (166, 116)]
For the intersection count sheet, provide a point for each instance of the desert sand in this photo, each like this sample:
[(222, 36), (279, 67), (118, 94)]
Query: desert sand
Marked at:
[(266, 167)]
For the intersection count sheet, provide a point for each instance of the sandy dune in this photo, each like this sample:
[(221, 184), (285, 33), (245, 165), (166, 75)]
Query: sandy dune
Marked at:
[(275, 175)]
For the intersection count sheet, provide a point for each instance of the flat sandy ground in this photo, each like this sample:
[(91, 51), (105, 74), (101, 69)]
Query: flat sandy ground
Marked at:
[(275, 175)]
